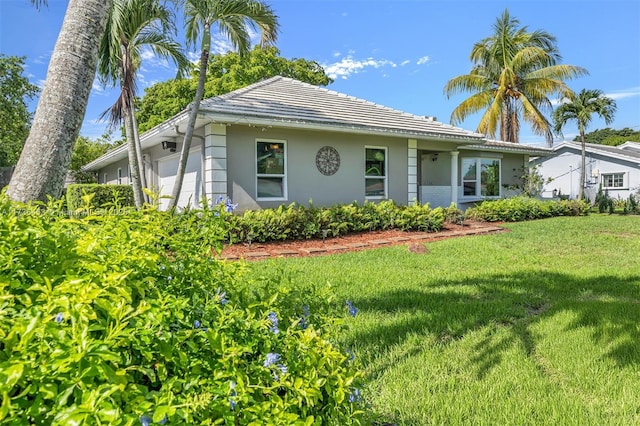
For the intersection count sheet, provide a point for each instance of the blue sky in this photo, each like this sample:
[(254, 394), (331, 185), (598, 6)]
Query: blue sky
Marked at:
[(396, 53)]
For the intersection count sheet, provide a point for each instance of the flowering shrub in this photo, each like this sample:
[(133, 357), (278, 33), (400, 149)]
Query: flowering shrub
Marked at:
[(296, 222), (128, 319), (518, 209)]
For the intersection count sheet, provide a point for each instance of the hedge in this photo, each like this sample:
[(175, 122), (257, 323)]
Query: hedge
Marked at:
[(101, 196)]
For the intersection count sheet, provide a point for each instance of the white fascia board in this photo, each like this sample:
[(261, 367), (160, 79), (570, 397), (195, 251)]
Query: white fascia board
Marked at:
[(514, 150)]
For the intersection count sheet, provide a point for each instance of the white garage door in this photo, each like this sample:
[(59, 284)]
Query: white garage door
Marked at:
[(191, 186)]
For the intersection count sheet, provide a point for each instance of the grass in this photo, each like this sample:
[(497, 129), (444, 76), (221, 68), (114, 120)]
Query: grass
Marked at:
[(540, 325)]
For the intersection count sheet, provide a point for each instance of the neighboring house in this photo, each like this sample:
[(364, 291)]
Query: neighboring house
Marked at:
[(616, 168), (281, 141)]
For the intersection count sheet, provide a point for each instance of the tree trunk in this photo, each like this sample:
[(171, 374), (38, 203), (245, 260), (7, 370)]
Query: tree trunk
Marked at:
[(46, 156), (582, 171), (193, 115), (141, 166), (134, 168)]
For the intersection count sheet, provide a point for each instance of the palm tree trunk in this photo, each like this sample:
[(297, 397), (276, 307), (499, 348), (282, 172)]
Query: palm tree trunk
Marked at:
[(582, 168), (46, 156), (134, 168), (141, 166), (193, 114)]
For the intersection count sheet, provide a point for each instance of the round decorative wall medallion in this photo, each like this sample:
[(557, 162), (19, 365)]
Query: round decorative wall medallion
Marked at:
[(327, 160)]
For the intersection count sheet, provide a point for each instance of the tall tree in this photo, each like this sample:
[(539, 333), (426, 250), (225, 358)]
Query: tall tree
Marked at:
[(580, 109), (85, 151), (135, 25), (225, 73), (15, 118), (514, 73), (45, 158), (233, 19)]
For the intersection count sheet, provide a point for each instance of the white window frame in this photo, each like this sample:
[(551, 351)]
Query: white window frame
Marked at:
[(119, 176), (384, 178), (104, 177), (269, 175), (478, 177), (625, 184)]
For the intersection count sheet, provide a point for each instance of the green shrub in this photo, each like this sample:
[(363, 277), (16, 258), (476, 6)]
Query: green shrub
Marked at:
[(102, 196), (518, 209), (127, 319), (296, 222)]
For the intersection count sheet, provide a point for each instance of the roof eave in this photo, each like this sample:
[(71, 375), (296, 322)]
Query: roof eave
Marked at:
[(516, 149), (591, 149)]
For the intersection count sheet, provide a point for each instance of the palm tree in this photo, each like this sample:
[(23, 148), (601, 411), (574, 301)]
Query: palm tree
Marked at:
[(233, 19), (46, 156), (514, 73), (133, 26), (580, 108)]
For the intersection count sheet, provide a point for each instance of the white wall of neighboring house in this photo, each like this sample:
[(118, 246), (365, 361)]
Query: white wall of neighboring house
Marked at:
[(619, 173)]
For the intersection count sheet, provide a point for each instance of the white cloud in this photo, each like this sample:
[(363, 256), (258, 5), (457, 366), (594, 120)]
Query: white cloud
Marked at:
[(221, 45), (615, 95), (348, 66), (336, 54), (97, 88), (423, 60), (403, 63), (151, 60), (42, 59), (194, 57), (624, 93)]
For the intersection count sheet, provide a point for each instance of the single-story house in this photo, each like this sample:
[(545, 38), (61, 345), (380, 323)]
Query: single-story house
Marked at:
[(280, 141), (616, 168)]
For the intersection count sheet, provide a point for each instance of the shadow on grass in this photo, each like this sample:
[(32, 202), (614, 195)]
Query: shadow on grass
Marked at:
[(608, 305)]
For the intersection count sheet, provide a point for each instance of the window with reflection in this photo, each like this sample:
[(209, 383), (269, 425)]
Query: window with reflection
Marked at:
[(481, 177), (375, 172), (271, 170)]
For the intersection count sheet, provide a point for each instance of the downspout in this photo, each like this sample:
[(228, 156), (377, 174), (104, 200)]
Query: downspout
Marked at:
[(203, 185)]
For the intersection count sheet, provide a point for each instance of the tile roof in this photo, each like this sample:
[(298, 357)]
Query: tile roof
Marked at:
[(286, 101)]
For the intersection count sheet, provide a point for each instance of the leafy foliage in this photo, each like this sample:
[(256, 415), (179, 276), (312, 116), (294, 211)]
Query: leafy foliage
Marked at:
[(225, 74), (517, 209), (127, 319), (608, 136), (15, 119), (85, 151), (580, 109), (101, 196), (514, 73), (297, 222)]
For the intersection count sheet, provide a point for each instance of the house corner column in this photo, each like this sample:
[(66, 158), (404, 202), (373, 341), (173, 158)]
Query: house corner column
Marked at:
[(454, 177), (215, 160), (412, 171)]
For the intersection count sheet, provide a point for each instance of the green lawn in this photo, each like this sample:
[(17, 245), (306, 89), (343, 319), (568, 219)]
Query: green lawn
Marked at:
[(539, 325)]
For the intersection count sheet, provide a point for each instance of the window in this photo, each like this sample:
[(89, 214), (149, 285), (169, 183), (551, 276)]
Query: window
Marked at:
[(271, 170), (480, 177), (104, 177), (375, 172), (119, 176), (612, 180)]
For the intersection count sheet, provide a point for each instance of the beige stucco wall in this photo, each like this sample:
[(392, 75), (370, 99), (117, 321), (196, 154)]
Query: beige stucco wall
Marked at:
[(304, 181)]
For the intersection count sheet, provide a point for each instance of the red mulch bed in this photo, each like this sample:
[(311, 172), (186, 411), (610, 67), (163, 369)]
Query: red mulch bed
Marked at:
[(353, 242)]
